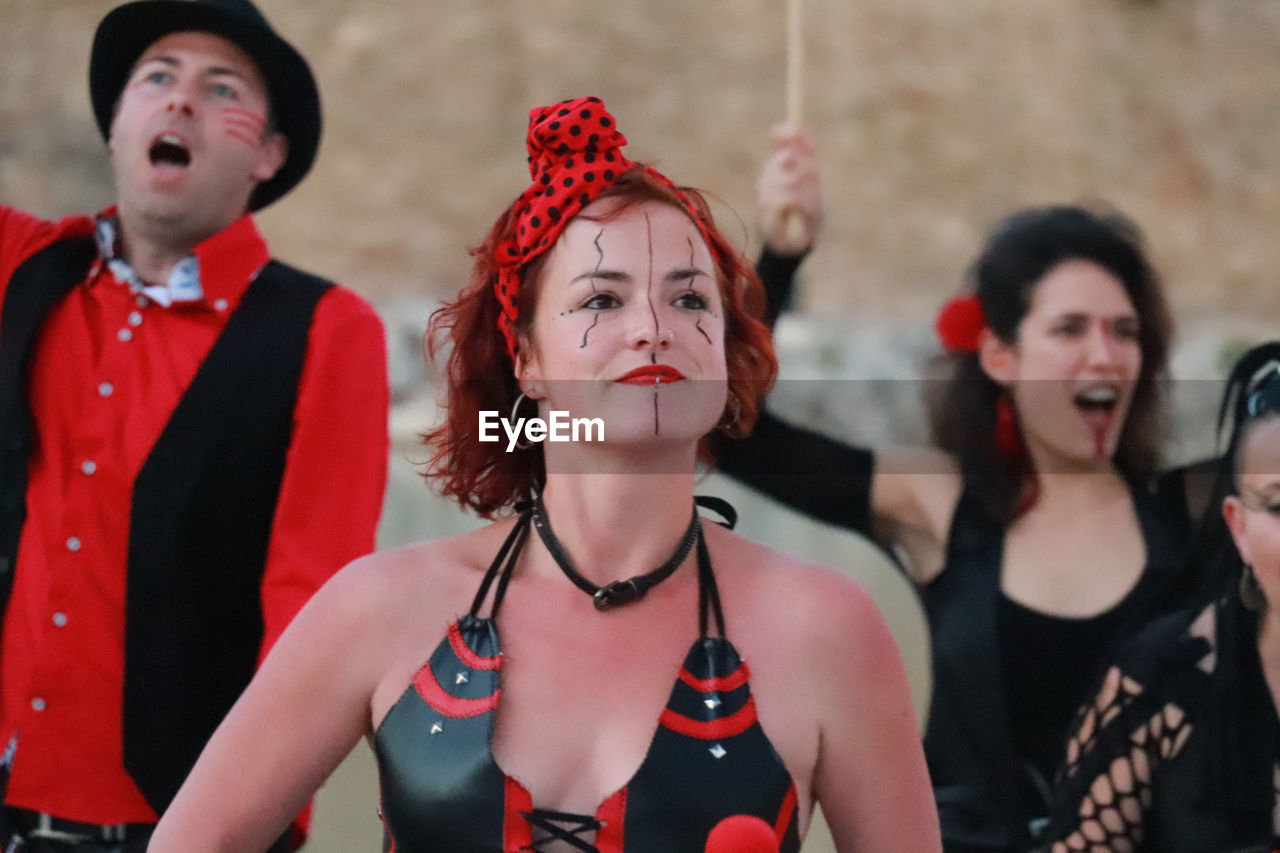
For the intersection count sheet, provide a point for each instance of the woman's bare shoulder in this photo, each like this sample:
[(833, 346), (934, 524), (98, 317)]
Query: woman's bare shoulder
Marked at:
[(780, 609), (772, 581), (422, 577)]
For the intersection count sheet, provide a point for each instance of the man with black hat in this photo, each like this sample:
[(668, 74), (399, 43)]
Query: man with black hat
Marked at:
[(193, 435)]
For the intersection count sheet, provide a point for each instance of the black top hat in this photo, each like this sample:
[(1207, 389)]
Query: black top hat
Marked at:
[(130, 29)]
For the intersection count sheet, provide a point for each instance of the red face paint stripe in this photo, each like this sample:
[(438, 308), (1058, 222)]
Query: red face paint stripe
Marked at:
[(734, 724), (245, 126), (613, 814), (240, 135), (517, 834), (464, 653), (243, 111), (451, 706), (721, 684), (785, 813)]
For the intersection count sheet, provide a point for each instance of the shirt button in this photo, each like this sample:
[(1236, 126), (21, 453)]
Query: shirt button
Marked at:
[(220, 304), (105, 389), (88, 466), (60, 620), (38, 704), (143, 301), (125, 334), (73, 543), (135, 318)]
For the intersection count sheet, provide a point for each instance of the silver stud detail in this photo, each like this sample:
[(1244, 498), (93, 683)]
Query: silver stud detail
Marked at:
[(436, 728), (718, 751), (712, 703), (461, 678)]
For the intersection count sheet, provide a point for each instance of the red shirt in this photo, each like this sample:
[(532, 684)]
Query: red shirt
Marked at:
[(106, 373)]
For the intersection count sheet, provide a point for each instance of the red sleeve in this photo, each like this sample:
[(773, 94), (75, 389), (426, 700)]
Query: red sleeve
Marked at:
[(336, 471), (22, 235)]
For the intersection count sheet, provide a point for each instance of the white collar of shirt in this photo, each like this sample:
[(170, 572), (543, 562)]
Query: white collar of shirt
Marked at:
[(184, 281)]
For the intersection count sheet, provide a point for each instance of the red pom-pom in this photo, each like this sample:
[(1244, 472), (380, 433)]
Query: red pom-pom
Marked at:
[(742, 833), (960, 324)]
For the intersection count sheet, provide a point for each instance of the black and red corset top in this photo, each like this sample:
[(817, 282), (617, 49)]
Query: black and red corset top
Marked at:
[(709, 760)]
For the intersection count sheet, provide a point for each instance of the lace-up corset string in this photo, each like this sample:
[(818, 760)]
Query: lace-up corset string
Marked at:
[(549, 822)]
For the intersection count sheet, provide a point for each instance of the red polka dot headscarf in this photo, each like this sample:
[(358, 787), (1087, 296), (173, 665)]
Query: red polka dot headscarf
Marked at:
[(574, 155)]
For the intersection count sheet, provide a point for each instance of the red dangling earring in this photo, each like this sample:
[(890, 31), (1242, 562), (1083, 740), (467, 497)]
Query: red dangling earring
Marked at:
[(1008, 437)]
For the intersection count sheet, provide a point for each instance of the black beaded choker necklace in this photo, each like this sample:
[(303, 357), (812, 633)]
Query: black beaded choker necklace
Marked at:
[(618, 592)]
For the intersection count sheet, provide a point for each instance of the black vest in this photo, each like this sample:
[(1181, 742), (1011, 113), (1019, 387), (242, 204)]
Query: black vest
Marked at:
[(203, 506)]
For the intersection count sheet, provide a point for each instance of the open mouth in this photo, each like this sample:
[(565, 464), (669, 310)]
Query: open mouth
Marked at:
[(1098, 408), (168, 149), (1097, 401)]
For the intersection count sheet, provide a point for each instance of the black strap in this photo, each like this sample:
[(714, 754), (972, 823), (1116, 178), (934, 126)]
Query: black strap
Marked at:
[(708, 593), (618, 592), (720, 507), (510, 549)]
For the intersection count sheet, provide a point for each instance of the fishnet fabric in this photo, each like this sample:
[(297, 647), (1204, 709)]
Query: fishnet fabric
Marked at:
[(1120, 740)]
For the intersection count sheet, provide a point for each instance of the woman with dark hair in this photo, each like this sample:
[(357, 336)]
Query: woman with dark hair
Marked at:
[(1034, 527), (1179, 752), (604, 292)]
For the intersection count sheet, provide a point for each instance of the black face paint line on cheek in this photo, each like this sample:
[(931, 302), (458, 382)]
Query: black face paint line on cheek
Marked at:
[(703, 332), (698, 325), (594, 320)]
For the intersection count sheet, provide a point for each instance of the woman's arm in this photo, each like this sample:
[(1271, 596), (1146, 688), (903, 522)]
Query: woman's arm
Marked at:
[(824, 478), (819, 476), (901, 496), (303, 712)]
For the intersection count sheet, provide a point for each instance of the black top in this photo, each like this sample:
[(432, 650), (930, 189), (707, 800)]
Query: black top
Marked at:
[(1163, 759), (1049, 664), (709, 759)]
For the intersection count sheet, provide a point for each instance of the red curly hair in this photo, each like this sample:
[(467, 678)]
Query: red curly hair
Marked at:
[(484, 477)]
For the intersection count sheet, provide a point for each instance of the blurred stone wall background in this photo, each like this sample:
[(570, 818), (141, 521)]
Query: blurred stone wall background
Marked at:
[(935, 118)]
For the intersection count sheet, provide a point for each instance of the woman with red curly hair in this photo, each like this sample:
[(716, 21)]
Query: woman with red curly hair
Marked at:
[(616, 713)]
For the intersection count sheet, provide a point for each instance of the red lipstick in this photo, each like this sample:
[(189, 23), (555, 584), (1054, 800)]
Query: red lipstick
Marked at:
[(651, 374)]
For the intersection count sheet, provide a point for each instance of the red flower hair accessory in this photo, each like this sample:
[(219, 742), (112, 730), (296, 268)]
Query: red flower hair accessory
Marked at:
[(960, 323), (574, 155)]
